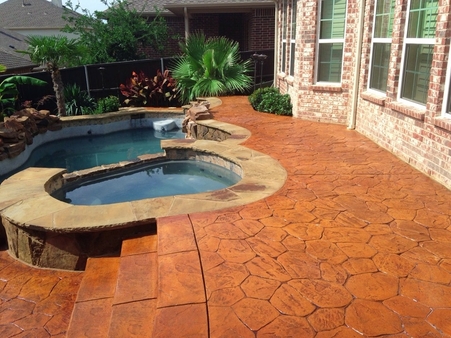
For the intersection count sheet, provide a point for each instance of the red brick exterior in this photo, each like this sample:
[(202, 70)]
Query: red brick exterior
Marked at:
[(262, 32), (253, 31), (420, 136)]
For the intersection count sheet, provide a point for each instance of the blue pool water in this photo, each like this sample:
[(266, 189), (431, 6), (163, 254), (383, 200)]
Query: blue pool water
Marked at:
[(148, 181), (89, 151)]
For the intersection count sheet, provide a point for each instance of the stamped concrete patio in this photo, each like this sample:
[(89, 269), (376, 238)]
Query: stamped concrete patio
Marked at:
[(356, 243)]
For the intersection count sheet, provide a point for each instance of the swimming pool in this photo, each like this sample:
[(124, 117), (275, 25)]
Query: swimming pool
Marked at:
[(82, 152)]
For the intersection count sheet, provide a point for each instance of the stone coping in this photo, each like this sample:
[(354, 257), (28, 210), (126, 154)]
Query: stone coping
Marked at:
[(43, 231), (25, 200)]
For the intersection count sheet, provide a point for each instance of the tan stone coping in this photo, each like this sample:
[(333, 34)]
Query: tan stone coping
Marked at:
[(26, 201)]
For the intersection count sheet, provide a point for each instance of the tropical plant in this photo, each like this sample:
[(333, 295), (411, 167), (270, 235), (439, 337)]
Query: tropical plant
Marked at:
[(107, 104), (119, 33), (210, 67), (142, 90), (270, 100), (54, 52), (9, 92), (136, 90), (78, 102)]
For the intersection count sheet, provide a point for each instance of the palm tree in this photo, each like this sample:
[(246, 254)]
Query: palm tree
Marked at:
[(54, 52), (210, 67)]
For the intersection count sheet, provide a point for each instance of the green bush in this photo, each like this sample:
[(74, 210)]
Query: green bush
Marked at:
[(269, 100), (257, 96), (107, 104), (78, 102)]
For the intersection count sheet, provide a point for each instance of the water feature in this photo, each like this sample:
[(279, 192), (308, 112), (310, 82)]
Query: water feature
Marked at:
[(147, 181)]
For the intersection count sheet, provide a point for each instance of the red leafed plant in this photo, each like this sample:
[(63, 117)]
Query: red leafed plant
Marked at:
[(140, 90)]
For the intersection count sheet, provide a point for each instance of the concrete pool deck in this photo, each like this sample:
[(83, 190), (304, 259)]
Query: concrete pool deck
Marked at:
[(356, 241), (35, 221)]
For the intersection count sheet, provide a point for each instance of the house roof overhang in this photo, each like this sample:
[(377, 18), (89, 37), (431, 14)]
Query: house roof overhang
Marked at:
[(218, 7)]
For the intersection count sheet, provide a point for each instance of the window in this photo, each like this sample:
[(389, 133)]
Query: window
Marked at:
[(447, 95), (331, 40), (284, 36), (381, 44), (293, 36), (418, 50)]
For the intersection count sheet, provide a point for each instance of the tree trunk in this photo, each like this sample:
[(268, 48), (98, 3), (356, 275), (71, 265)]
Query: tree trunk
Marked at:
[(58, 87)]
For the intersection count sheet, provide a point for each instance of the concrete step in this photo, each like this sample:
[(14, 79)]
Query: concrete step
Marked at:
[(94, 303), (154, 289), (135, 302), (117, 296), (181, 302)]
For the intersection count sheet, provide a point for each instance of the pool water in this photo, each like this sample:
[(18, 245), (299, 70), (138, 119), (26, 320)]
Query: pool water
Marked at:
[(90, 151), (152, 180)]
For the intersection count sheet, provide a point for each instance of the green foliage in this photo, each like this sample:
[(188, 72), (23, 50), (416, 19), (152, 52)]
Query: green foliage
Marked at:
[(107, 104), (2, 68), (9, 92), (118, 33), (55, 52), (210, 67), (78, 102), (158, 91), (270, 100)]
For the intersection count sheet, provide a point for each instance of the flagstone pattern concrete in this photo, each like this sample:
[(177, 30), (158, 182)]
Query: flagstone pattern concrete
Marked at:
[(356, 243)]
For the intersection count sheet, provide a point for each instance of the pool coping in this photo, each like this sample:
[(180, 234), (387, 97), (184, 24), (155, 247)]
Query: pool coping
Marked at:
[(26, 206)]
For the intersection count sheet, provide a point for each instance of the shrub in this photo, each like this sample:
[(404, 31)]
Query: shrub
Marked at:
[(210, 66), (257, 96), (77, 101), (107, 104), (270, 100), (158, 91)]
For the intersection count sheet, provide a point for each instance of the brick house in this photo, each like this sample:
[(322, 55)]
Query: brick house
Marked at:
[(377, 66), (249, 22)]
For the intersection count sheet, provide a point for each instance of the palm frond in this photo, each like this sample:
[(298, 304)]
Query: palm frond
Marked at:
[(210, 67)]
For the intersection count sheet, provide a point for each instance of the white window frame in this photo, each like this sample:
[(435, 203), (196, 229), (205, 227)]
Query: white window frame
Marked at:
[(284, 33), (293, 37), (446, 94), (320, 41), (410, 41), (375, 40)]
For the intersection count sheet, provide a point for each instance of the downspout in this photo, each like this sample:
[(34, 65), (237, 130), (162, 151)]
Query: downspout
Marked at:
[(186, 16), (276, 40), (355, 88)]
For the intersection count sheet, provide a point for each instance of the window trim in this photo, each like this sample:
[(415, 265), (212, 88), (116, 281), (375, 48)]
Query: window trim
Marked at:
[(292, 62), (446, 94), (284, 33), (330, 41), (375, 40), (410, 41)]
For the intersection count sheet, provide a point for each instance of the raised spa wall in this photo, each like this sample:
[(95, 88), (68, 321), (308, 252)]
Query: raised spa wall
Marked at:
[(45, 232)]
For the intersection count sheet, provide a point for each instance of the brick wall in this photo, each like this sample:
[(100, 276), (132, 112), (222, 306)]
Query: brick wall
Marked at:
[(262, 28), (325, 103), (420, 136), (253, 31)]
